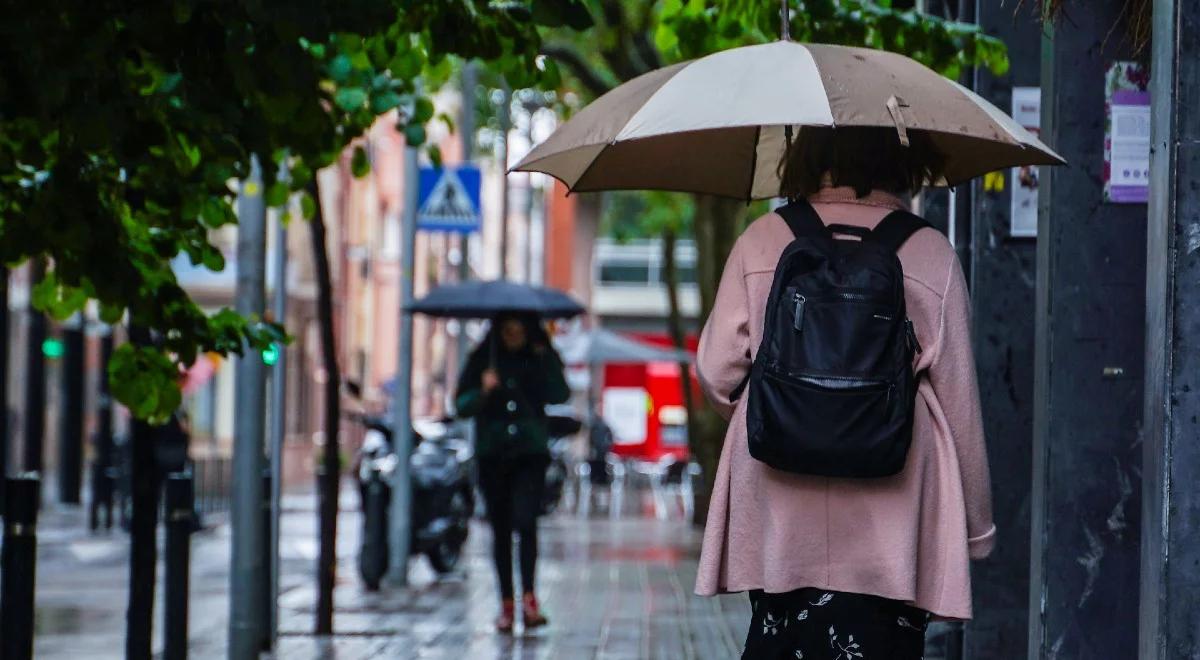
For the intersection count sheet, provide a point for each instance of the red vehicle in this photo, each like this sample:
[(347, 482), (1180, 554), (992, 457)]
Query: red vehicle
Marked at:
[(644, 406)]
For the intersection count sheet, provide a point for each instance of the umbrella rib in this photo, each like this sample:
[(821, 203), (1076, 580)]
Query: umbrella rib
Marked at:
[(571, 188)]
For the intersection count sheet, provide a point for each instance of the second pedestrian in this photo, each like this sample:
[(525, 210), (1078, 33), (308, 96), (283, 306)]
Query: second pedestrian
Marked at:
[(506, 384)]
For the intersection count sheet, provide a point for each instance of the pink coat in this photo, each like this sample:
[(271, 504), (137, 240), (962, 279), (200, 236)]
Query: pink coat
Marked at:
[(907, 537)]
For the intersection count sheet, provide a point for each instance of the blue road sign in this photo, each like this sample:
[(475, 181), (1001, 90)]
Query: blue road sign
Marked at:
[(448, 199)]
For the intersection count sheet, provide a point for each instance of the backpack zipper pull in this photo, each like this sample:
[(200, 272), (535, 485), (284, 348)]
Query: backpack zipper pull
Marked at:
[(798, 311), (912, 335)]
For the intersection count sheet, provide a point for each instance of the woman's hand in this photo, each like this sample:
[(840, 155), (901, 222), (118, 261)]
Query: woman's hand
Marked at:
[(489, 380)]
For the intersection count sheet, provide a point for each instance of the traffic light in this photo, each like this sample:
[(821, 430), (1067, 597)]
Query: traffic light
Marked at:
[(52, 348), (270, 355)]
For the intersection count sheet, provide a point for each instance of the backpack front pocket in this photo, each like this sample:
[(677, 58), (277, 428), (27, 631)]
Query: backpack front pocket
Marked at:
[(838, 427)]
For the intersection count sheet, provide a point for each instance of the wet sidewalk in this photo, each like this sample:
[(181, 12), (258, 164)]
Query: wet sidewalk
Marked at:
[(614, 589)]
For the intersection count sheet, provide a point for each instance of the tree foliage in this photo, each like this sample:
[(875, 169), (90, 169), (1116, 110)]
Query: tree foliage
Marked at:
[(123, 124), (631, 215), (692, 28), (632, 37)]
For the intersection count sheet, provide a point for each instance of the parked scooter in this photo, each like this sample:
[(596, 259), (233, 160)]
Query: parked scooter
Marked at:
[(442, 498), (560, 429)]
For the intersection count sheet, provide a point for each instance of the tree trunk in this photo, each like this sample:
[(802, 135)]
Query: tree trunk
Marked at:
[(145, 482), (718, 222), (328, 472), (677, 332)]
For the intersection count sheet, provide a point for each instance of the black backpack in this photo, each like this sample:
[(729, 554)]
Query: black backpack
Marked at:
[(832, 390)]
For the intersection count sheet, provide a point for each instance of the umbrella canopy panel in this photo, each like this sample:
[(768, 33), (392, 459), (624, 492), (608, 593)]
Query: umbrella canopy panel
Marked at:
[(716, 125), (600, 346), (476, 300)]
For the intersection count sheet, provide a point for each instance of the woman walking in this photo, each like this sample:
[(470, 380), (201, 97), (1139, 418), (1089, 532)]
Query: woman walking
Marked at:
[(844, 568), (505, 386)]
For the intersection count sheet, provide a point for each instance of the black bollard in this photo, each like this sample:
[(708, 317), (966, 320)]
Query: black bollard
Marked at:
[(180, 519), (268, 640), (18, 562), (104, 472)]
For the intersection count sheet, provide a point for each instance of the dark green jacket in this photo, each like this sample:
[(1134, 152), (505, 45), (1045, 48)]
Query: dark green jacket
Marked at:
[(510, 420)]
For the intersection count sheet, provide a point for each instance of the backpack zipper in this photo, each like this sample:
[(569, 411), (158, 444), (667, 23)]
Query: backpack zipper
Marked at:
[(912, 335), (798, 311)]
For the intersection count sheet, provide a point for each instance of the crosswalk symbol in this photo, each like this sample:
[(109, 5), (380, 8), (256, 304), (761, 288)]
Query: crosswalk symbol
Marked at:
[(449, 199)]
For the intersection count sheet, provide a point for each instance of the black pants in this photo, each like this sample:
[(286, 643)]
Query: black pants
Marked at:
[(512, 491), (814, 624)]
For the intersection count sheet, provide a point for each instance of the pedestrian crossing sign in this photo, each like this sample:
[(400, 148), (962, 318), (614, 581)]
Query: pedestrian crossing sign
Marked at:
[(448, 199)]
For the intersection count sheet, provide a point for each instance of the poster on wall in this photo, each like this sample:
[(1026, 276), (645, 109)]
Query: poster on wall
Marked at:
[(624, 410), (1027, 111), (1127, 134)]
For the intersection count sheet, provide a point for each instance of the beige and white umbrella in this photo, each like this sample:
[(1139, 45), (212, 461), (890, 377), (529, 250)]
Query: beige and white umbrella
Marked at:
[(717, 124)]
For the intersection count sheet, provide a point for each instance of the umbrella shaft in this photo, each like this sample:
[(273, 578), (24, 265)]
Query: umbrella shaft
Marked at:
[(785, 22)]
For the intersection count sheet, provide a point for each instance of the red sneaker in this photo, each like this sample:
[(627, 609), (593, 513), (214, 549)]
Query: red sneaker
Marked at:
[(532, 613), (508, 614)]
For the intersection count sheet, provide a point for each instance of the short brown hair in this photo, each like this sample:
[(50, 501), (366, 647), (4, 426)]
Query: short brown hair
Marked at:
[(863, 158)]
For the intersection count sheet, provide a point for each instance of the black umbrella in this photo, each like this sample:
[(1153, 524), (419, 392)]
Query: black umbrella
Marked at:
[(477, 300)]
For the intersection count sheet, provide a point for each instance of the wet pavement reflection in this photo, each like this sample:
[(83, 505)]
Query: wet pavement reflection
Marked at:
[(614, 589)]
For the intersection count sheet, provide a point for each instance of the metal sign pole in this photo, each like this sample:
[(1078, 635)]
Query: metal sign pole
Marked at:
[(247, 576), (399, 534), (466, 126)]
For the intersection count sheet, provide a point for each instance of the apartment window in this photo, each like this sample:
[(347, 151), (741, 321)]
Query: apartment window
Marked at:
[(625, 273)]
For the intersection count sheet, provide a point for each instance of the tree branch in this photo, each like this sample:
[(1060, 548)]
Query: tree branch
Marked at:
[(579, 67), (646, 50), (619, 59)]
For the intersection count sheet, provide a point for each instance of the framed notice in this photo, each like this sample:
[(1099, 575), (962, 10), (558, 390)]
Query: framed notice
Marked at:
[(1127, 134), (1027, 111)]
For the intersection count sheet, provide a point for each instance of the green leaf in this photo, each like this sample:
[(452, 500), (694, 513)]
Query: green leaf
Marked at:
[(340, 69), (214, 260), (57, 299), (666, 39), (406, 64), (307, 206), (360, 166), (277, 194), (422, 110), (350, 98), (111, 314), (384, 101), (217, 212), (435, 155), (414, 134), (300, 174)]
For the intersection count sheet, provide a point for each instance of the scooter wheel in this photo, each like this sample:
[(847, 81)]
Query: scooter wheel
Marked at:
[(444, 556)]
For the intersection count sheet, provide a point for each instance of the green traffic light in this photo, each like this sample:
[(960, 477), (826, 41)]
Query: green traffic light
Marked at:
[(53, 348), (270, 355)]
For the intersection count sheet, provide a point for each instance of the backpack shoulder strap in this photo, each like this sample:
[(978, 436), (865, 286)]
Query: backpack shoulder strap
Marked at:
[(896, 228), (802, 218)]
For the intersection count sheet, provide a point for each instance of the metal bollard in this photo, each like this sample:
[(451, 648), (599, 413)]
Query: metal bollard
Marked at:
[(180, 519), (18, 563)]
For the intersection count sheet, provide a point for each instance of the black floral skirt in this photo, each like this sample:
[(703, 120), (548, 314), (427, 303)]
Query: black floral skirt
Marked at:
[(814, 624)]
